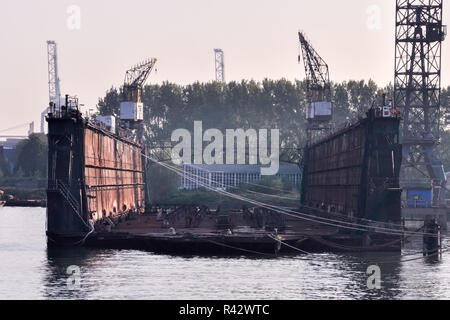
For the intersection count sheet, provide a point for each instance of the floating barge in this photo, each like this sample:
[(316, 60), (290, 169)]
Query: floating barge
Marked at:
[(240, 232), (24, 203)]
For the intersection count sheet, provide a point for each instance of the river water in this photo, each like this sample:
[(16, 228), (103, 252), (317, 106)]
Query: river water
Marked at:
[(30, 270)]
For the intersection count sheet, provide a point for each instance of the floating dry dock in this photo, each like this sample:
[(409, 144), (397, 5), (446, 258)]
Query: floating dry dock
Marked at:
[(96, 196)]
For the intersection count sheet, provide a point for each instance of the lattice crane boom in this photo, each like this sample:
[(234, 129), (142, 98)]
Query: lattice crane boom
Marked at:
[(316, 69), (136, 76), (54, 90), (131, 109), (419, 35), (219, 59), (319, 109), (53, 77), (135, 79)]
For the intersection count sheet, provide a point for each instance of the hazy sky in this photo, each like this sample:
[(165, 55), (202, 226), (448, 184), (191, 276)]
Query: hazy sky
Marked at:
[(259, 38)]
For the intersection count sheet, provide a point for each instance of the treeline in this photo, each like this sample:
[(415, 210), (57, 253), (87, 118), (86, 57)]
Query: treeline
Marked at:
[(28, 159), (23, 172), (247, 104), (270, 104)]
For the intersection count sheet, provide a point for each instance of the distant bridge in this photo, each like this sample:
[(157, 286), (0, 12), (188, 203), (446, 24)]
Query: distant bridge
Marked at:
[(13, 137)]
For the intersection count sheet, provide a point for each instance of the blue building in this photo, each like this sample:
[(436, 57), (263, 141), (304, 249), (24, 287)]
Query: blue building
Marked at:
[(420, 198)]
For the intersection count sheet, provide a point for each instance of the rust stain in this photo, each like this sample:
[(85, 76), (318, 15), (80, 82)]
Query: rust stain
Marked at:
[(335, 172), (114, 176)]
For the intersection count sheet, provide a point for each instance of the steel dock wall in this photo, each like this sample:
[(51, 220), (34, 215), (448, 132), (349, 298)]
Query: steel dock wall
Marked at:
[(113, 174), (355, 171), (92, 174)]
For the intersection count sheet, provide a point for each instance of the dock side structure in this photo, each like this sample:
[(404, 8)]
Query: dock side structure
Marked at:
[(355, 171), (93, 174)]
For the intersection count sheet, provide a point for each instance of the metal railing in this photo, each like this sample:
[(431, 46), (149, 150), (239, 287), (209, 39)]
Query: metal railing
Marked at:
[(64, 109), (418, 204)]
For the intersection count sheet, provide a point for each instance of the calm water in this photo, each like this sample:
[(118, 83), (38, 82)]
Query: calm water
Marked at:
[(28, 270)]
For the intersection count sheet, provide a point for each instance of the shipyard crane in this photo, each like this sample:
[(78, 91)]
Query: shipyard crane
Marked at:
[(53, 81), (318, 106), (419, 34), (132, 108), (219, 59)]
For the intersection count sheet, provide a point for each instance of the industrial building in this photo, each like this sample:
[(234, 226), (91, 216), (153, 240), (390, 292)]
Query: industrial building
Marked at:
[(223, 176)]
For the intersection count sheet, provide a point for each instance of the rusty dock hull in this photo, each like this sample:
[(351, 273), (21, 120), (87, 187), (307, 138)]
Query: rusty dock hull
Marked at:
[(93, 174), (354, 172)]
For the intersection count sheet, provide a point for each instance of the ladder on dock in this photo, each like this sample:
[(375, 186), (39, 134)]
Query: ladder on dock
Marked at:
[(63, 189)]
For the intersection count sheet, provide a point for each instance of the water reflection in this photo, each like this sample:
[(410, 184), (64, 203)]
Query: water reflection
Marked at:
[(56, 276), (390, 270), (330, 276), (30, 270)]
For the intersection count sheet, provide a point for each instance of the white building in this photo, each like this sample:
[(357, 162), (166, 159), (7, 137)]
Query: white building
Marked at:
[(223, 176)]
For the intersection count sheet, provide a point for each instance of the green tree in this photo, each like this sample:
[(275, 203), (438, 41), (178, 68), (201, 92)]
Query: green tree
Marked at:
[(32, 156), (259, 105), (110, 104)]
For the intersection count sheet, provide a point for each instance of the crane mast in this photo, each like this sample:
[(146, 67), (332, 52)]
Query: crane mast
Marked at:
[(318, 104), (419, 34), (53, 77), (219, 59), (53, 80)]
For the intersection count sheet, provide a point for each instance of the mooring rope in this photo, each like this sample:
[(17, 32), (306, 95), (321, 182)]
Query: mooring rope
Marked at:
[(335, 223), (339, 224)]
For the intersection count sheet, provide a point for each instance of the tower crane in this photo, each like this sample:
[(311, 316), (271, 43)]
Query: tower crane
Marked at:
[(418, 40), (219, 59), (318, 105), (53, 80), (132, 108)]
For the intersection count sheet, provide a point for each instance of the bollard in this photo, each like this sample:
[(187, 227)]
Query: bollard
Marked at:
[(431, 238)]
